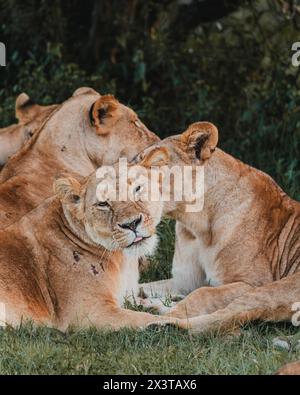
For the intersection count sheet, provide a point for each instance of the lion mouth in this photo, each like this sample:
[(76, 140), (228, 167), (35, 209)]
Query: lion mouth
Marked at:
[(138, 240)]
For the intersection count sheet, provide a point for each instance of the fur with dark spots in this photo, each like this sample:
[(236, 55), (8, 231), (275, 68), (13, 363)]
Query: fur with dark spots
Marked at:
[(94, 270), (76, 256)]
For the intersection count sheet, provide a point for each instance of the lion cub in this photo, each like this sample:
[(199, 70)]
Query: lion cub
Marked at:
[(74, 259)]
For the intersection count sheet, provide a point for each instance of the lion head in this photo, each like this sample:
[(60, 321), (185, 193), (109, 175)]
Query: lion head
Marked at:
[(30, 117), (102, 127), (27, 111), (107, 219), (190, 150), (87, 129)]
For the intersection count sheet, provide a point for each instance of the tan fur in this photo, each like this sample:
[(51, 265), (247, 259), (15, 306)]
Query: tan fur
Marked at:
[(292, 368), (30, 117), (245, 243), (67, 141), (55, 270)]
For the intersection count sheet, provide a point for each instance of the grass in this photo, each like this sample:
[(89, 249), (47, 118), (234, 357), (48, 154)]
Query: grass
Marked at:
[(31, 350), (159, 266)]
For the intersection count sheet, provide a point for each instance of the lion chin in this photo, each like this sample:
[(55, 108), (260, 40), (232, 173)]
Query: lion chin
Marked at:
[(144, 247)]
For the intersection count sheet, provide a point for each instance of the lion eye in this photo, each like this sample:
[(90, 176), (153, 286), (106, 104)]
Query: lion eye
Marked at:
[(101, 204), (137, 189)]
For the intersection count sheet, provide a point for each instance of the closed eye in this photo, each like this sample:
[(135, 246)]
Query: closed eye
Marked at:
[(101, 204)]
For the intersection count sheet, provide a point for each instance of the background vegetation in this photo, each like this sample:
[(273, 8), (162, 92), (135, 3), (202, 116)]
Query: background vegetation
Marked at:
[(174, 62)]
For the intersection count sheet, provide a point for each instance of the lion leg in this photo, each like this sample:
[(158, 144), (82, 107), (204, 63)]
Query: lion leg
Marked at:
[(206, 300), (123, 318), (270, 302), (111, 316), (187, 274), (157, 305)]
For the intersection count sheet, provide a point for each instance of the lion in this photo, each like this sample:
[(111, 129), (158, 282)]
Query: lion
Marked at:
[(238, 259), (73, 260), (80, 135), (30, 117)]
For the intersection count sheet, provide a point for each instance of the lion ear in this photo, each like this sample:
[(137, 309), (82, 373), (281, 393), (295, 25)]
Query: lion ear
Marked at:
[(102, 113), (157, 156), (67, 188), (200, 139), (84, 90), (25, 108)]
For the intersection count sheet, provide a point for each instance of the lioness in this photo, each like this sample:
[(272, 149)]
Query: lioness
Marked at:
[(242, 251), (30, 116), (77, 137), (74, 259)]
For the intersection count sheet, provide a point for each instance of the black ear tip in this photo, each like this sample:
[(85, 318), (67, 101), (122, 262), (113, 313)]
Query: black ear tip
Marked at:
[(29, 103), (91, 114), (102, 113), (201, 140)]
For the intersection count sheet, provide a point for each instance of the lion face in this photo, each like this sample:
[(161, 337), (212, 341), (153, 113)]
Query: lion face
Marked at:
[(187, 152), (97, 127), (111, 129), (127, 225)]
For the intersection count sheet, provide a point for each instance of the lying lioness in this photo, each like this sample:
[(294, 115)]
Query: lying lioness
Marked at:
[(30, 116), (74, 259), (242, 250)]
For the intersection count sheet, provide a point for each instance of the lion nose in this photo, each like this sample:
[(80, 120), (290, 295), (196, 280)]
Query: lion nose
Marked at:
[(133, 224)]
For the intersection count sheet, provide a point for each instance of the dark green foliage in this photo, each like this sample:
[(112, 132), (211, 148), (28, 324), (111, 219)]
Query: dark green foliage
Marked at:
[(235, 71)]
